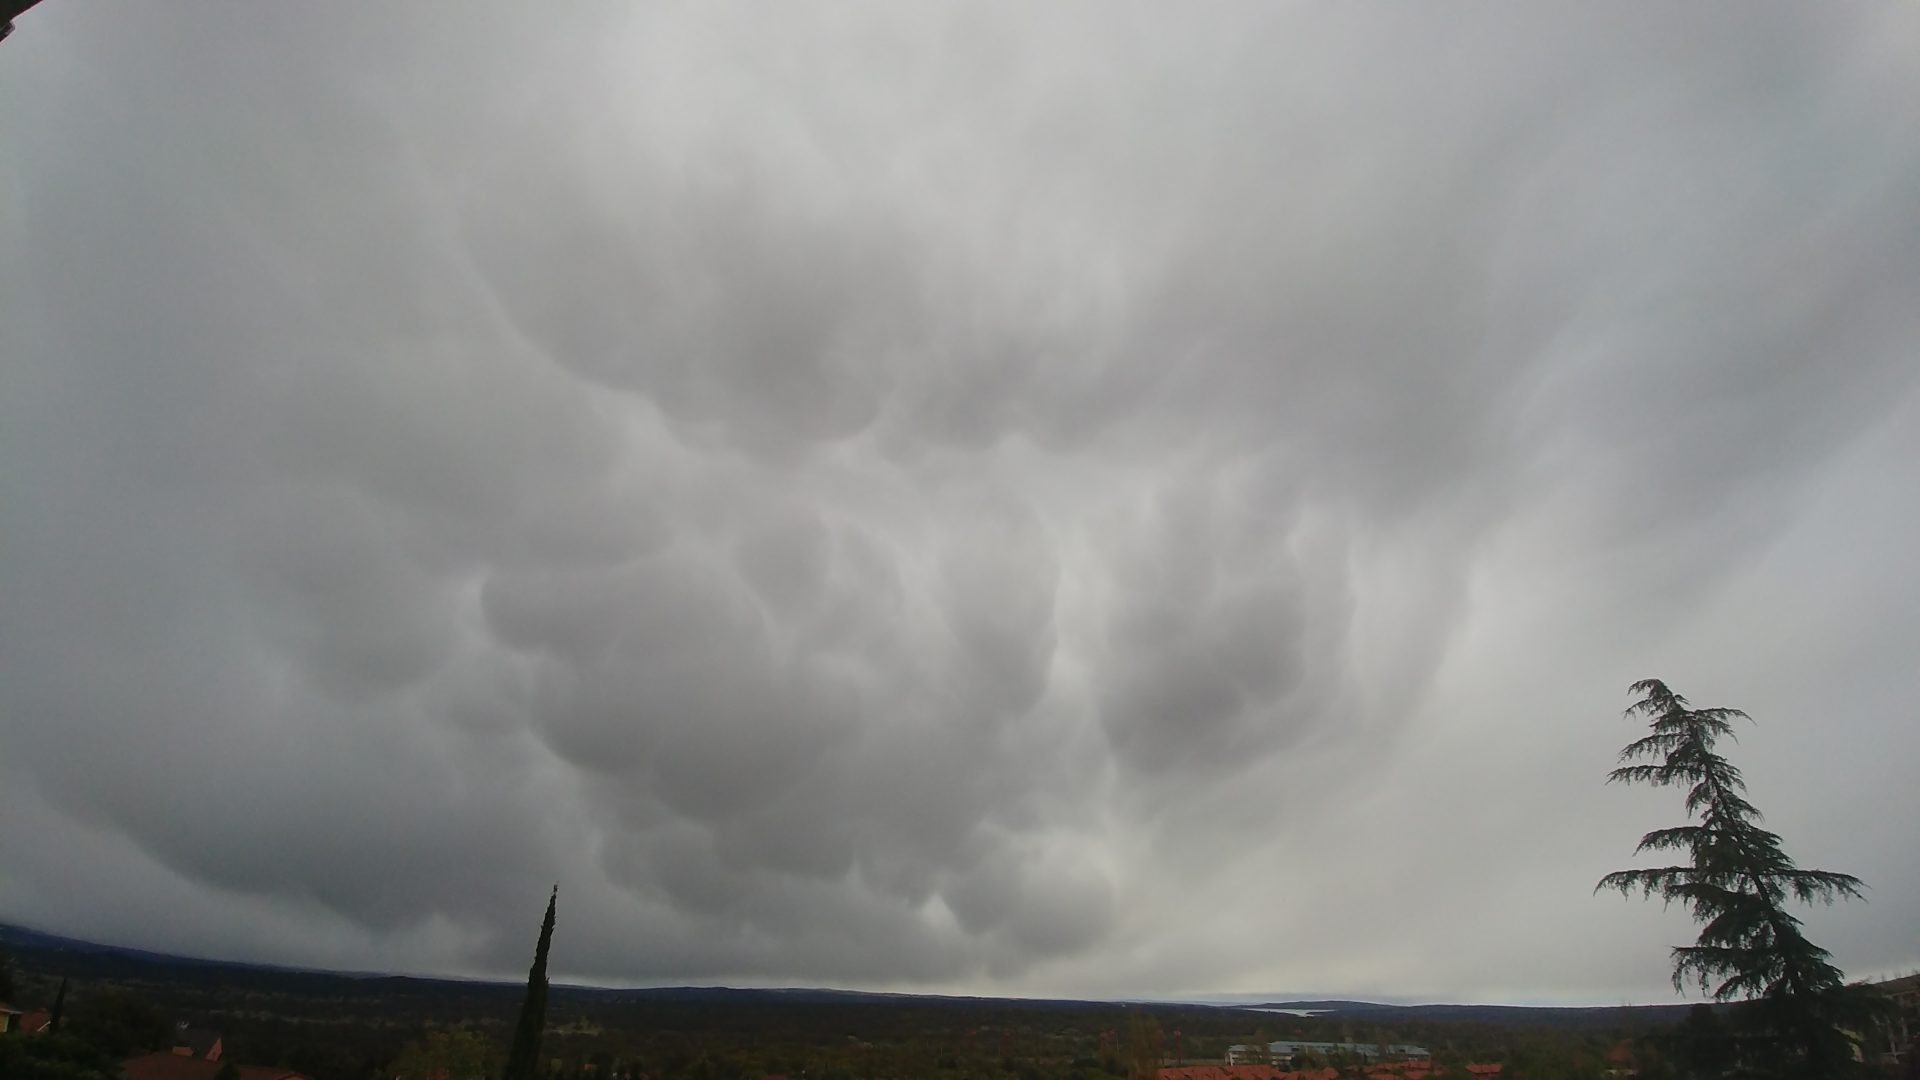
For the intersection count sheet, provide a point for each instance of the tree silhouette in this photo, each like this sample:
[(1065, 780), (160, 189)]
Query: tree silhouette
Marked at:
[(523, 1060), (11, 10), (1737, 883), (59, 1008), (1700, 1044)]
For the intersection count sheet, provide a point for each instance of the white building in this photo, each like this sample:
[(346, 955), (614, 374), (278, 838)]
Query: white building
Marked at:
[(1284, 1051)]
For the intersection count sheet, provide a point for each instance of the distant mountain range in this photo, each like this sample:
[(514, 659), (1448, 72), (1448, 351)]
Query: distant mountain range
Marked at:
[(92, 959)]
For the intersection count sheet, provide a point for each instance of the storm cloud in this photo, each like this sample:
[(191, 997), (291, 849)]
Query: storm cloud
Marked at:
[(1086, 499)]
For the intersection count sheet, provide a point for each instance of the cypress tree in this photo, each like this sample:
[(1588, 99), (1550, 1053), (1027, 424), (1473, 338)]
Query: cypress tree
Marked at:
[(1736, 882), (523, 1060), (59, 1007)]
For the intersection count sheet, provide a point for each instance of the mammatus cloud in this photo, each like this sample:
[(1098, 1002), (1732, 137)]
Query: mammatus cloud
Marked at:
[(1070, 502)]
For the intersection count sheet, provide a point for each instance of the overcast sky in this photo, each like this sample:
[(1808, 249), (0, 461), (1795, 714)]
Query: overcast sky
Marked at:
[(1104, 499)]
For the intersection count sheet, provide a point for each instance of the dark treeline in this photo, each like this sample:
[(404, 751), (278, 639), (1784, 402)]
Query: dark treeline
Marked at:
[(338, 1027)]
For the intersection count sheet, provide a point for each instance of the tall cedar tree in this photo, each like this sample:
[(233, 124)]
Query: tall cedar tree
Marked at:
[(1736, 883), (523, 1060)]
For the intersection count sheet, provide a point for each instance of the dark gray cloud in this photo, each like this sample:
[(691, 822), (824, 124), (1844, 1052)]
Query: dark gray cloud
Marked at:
[(1071, 501)]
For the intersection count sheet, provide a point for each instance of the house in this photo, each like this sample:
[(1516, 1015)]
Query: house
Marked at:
[(198, 1043), (196, 1055), (1900, 1032), (1284, 1051), (168, 1065), (30, 1022)]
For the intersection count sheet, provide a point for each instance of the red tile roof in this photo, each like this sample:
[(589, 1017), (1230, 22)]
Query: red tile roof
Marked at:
[(12, 1019), (166, 1065)]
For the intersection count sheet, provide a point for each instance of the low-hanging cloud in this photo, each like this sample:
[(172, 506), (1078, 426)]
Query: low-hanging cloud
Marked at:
[(960, 496)]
